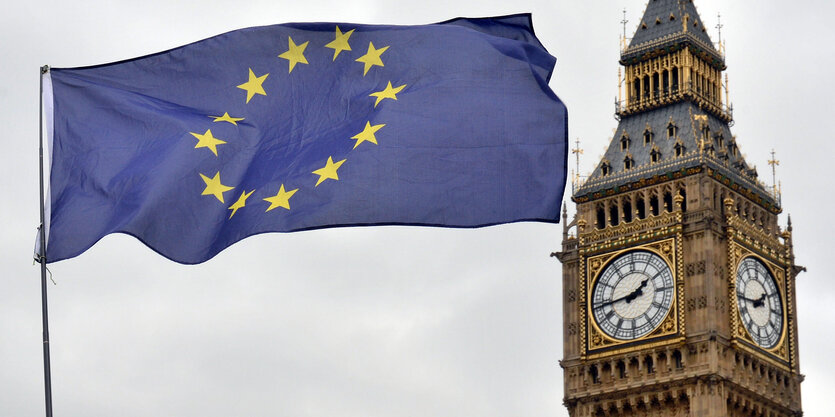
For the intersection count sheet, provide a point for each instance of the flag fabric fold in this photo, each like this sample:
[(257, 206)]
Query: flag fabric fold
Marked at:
[(303, 126)]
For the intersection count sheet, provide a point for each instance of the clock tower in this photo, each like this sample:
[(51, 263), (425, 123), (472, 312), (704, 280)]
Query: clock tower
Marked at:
[(678, 282)]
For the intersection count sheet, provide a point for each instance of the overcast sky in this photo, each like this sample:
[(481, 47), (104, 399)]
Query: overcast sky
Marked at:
[(386, 321)]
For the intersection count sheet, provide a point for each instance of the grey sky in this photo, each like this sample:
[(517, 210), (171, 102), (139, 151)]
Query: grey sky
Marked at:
[(388, 321)]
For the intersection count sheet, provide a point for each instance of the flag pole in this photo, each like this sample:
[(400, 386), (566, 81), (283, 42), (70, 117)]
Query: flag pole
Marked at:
[(42, 258)]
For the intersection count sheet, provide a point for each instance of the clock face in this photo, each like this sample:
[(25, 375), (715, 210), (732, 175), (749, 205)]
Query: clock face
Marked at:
[(759, 302), (633, 295)]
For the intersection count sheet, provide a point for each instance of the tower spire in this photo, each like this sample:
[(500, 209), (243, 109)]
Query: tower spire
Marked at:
[(624, 21), (576, 178), (774, 162)]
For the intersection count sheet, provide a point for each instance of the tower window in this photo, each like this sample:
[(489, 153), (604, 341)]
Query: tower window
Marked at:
[(680, 149), (656, 82), (647, 137), (595, 376), (720, 141), (641, 209), (601, 217), (624, 142), (627, 211), (613, 215), (605, 168), (628, 162), (672, 130), (653, 204), (655, 154), (675, 79), (648, 363)]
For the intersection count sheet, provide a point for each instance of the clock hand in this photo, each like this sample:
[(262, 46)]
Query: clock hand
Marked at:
[(638, 292), (759, 302), (628, 297)]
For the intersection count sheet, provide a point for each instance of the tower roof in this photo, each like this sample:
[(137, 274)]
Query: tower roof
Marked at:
[(682, 137), (673, 122), (667, 23)]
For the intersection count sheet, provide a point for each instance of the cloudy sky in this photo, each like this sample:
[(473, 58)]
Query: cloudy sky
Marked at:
[(387, 321)]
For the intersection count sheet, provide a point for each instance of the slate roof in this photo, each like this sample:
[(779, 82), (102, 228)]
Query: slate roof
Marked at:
[(689, 122), (663, 25)]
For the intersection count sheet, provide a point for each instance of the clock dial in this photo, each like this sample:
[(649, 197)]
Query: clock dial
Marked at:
[(632, 295), (758, 298)]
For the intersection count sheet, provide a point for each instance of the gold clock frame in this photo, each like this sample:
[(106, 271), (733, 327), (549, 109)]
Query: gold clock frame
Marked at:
[(741, 337), (671, 330)]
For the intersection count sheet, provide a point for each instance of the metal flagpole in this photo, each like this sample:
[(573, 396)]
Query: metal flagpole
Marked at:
[(42, 258)]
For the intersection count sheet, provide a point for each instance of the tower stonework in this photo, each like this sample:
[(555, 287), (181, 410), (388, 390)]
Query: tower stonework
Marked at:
[(678, 282)]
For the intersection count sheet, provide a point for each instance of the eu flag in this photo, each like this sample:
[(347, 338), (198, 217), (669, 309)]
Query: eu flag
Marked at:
[(302, 126)]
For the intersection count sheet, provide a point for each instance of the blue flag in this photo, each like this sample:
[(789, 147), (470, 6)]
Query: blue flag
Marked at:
[(303, 126)]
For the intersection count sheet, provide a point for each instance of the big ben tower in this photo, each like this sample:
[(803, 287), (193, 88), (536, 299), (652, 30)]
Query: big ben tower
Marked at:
[(678, 283)]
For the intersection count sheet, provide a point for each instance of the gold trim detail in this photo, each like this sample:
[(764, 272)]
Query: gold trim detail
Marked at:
[(738, 253), (594, 343)]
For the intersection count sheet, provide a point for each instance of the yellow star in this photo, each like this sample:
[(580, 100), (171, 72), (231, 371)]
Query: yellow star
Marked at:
[(372, 57), (328, 171), (340, 43), (253, 85), (214, 186), (282, 199), (206, 140), (389, 92), (295, 54), (367, 134), (227, 118), (240, 203)]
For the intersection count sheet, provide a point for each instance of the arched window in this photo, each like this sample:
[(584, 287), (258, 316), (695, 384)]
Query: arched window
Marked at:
[(649, 364), (605, 168), (655, 154), (672, 130), (628, 162), (641, 208), (656, 87), (679, 149), (668, 201), (621, 369), (624, 142), (637, 84), (601, 217), (675, 80), (653, 204), (677, 359), (613, 215), (647, 136), (627, 211)]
